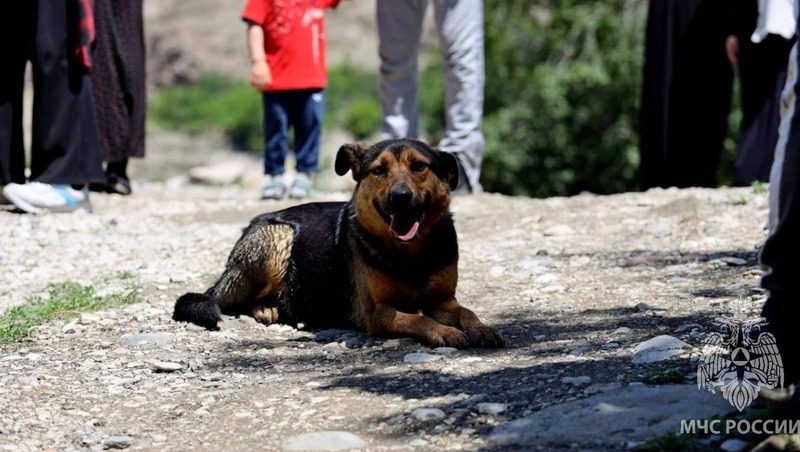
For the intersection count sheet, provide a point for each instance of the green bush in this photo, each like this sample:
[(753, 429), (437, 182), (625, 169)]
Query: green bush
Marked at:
[(214, 101), (562, 94)]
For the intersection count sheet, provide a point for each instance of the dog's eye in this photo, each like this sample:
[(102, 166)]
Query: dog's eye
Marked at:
[(418, 167), (378, 171)]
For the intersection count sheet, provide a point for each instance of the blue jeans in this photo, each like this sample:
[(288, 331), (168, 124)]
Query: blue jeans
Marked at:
[(302, 110)]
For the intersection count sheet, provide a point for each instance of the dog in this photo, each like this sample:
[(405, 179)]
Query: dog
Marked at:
[(385, 262)]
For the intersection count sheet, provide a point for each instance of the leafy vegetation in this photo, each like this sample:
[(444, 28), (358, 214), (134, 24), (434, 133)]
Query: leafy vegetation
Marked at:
[(63, 300)]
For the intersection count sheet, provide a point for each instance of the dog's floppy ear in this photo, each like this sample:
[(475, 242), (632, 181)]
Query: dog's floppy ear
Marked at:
[(449, 164), (350, 157)]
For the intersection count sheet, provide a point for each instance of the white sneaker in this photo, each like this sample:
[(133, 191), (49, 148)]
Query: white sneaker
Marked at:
[(36, 197), (301, 187)]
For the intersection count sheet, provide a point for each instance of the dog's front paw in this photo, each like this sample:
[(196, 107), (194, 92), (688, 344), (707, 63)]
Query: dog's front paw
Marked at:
[(447, 336), (484, 336)]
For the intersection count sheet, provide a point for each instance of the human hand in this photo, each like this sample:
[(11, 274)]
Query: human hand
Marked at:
[(260, 75), (732, 50)]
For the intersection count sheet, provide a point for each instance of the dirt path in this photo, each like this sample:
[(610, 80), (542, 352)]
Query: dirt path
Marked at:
[(572, 283)]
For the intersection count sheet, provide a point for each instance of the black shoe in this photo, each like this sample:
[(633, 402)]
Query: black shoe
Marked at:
[(783, 317)]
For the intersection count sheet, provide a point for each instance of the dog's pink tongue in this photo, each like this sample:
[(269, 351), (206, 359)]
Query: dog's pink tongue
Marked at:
[(410, 234)]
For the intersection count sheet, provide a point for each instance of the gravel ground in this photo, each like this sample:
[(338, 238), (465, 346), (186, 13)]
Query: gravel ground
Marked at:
[(572, 283)]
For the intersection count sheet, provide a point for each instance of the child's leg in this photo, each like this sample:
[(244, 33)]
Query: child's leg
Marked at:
[(276, 133), (307, 123)]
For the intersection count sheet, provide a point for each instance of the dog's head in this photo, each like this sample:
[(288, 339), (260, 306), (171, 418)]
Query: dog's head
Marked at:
[(403, 186)]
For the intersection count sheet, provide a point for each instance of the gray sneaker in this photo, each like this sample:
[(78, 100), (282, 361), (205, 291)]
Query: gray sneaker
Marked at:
[(274, 189), (36, 197), (301, 187)]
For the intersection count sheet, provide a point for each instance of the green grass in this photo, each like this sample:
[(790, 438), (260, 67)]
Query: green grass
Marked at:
[(63, 301), (759, 187)]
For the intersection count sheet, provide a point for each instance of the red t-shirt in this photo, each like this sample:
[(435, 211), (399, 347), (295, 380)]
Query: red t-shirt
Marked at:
[(294, 40)]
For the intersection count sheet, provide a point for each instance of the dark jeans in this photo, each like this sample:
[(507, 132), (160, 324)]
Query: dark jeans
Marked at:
[(64, 145), (302, 110)]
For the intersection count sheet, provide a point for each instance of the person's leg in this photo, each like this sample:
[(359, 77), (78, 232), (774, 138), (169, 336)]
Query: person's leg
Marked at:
[(17, 24), (276, 143), (779, 255), (460, 26), (306, 119), (307, 124), (399, 30), (276, 133), (65, 144)]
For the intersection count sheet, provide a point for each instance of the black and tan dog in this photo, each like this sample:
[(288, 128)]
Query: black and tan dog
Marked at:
[(385, 262)]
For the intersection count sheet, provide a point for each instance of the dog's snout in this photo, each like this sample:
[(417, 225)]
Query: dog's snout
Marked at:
[(400, 196)]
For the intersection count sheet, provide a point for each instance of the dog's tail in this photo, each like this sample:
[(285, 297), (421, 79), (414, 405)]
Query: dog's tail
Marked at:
[(198, 308)]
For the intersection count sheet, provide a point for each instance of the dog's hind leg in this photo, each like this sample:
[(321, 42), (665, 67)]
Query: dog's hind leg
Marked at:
[(254, 271)]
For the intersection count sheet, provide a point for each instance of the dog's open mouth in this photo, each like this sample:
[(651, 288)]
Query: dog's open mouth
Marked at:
[(404, 227)]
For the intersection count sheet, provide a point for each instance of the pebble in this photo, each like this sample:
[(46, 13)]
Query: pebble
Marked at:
[(732, 261), (146, 339), (688, 327), (419, 442), (446, 351), (427, 414), (491, 408), (734, 445), (621, 330), (165, 366), (323, 441), (117, 442), (659, 348), (577, 381), (419, 358)]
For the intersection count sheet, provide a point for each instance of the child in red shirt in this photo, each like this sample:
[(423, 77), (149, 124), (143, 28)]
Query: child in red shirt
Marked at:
[(286, 40)]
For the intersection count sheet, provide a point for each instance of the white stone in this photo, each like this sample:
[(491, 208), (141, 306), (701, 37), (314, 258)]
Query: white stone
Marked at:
[(323, 441), (659, 348), (427, 414), (491, 408), (419, 358)]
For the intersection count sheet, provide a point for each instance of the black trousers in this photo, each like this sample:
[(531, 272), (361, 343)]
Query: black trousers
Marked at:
[(781, 250), (64, 142), (686, 93), (762, 74)]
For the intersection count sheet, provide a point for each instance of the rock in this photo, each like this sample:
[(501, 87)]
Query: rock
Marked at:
[(419, 442), (577, 381), (427, 414), (419, 358), (558, 229), (659, 348), (117, 442), (323, 441), (732, 261), (223, 173), (155, 339), (165, 366), (71, 327), (688, 327), (491, 408), (353, 342), (631, 413), (734, 445), (446, 351), (333, 335), (644, 307), (621, 330)]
